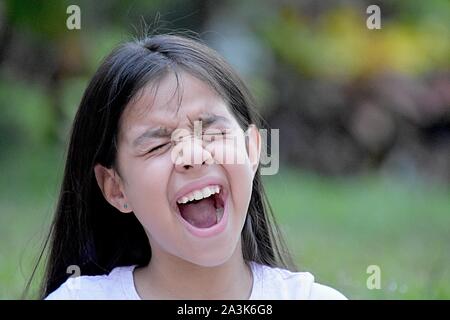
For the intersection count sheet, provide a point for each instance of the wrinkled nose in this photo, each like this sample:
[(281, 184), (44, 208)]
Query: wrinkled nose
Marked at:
[(189, 154)]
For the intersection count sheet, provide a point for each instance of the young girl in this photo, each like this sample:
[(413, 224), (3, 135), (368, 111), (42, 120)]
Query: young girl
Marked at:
[(151, 206)]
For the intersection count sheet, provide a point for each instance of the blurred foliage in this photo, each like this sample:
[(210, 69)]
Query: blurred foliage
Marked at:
[(336, 45), (32, 121), (352, 100), (41, 18)]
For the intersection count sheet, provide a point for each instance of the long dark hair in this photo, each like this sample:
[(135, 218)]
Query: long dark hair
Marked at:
[(90, 233)]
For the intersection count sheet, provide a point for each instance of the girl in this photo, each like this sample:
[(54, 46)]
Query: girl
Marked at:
[(151, 206)]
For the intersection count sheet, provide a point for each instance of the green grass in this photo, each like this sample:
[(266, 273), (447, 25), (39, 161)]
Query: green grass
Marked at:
[(335, 228), (28, 191)]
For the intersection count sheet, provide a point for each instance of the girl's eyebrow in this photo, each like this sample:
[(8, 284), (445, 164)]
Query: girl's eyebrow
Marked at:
[(160, 132), (207, 120)]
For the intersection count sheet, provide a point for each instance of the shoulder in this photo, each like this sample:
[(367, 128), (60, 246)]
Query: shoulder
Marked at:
[(278, 283), (116, 285), (322, 292)]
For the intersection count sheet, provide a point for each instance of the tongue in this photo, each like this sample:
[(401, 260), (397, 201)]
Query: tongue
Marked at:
[(201, 214)]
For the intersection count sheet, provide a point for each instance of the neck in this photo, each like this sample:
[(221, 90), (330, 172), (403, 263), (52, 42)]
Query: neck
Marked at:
[(169, 277)]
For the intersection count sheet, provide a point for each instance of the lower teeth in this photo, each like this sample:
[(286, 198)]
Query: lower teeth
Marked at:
[(219, 214)]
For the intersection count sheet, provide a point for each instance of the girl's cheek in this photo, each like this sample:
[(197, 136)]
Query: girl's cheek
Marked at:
[(149, 173)]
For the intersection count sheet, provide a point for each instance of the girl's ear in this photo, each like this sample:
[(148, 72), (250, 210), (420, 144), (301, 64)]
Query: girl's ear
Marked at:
[(253, 142), (111, 186)]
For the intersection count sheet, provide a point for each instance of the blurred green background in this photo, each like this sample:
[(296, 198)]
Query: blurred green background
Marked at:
[(364, 119)]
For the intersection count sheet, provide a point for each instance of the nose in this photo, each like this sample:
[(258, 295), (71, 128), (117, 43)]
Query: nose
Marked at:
[(189, 154)]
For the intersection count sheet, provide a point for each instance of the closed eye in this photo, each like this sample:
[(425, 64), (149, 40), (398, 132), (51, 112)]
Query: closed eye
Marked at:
[(159, 147)]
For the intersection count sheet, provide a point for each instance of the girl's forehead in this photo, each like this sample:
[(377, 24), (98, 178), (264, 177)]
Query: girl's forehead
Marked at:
[(171, 102)]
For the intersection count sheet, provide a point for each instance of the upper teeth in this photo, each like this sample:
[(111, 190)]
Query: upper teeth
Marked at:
[(199, 194)]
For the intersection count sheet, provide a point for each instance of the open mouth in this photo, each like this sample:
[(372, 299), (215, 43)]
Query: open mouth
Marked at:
[(202, 208)]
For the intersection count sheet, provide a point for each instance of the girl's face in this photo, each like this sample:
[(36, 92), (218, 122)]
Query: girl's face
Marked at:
[(185, 170)]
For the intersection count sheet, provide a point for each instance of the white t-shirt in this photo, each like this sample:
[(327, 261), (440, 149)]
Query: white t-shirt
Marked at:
[(268, 284)]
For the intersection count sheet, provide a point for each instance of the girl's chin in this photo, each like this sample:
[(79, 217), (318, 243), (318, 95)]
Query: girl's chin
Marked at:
[(210, 258)]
